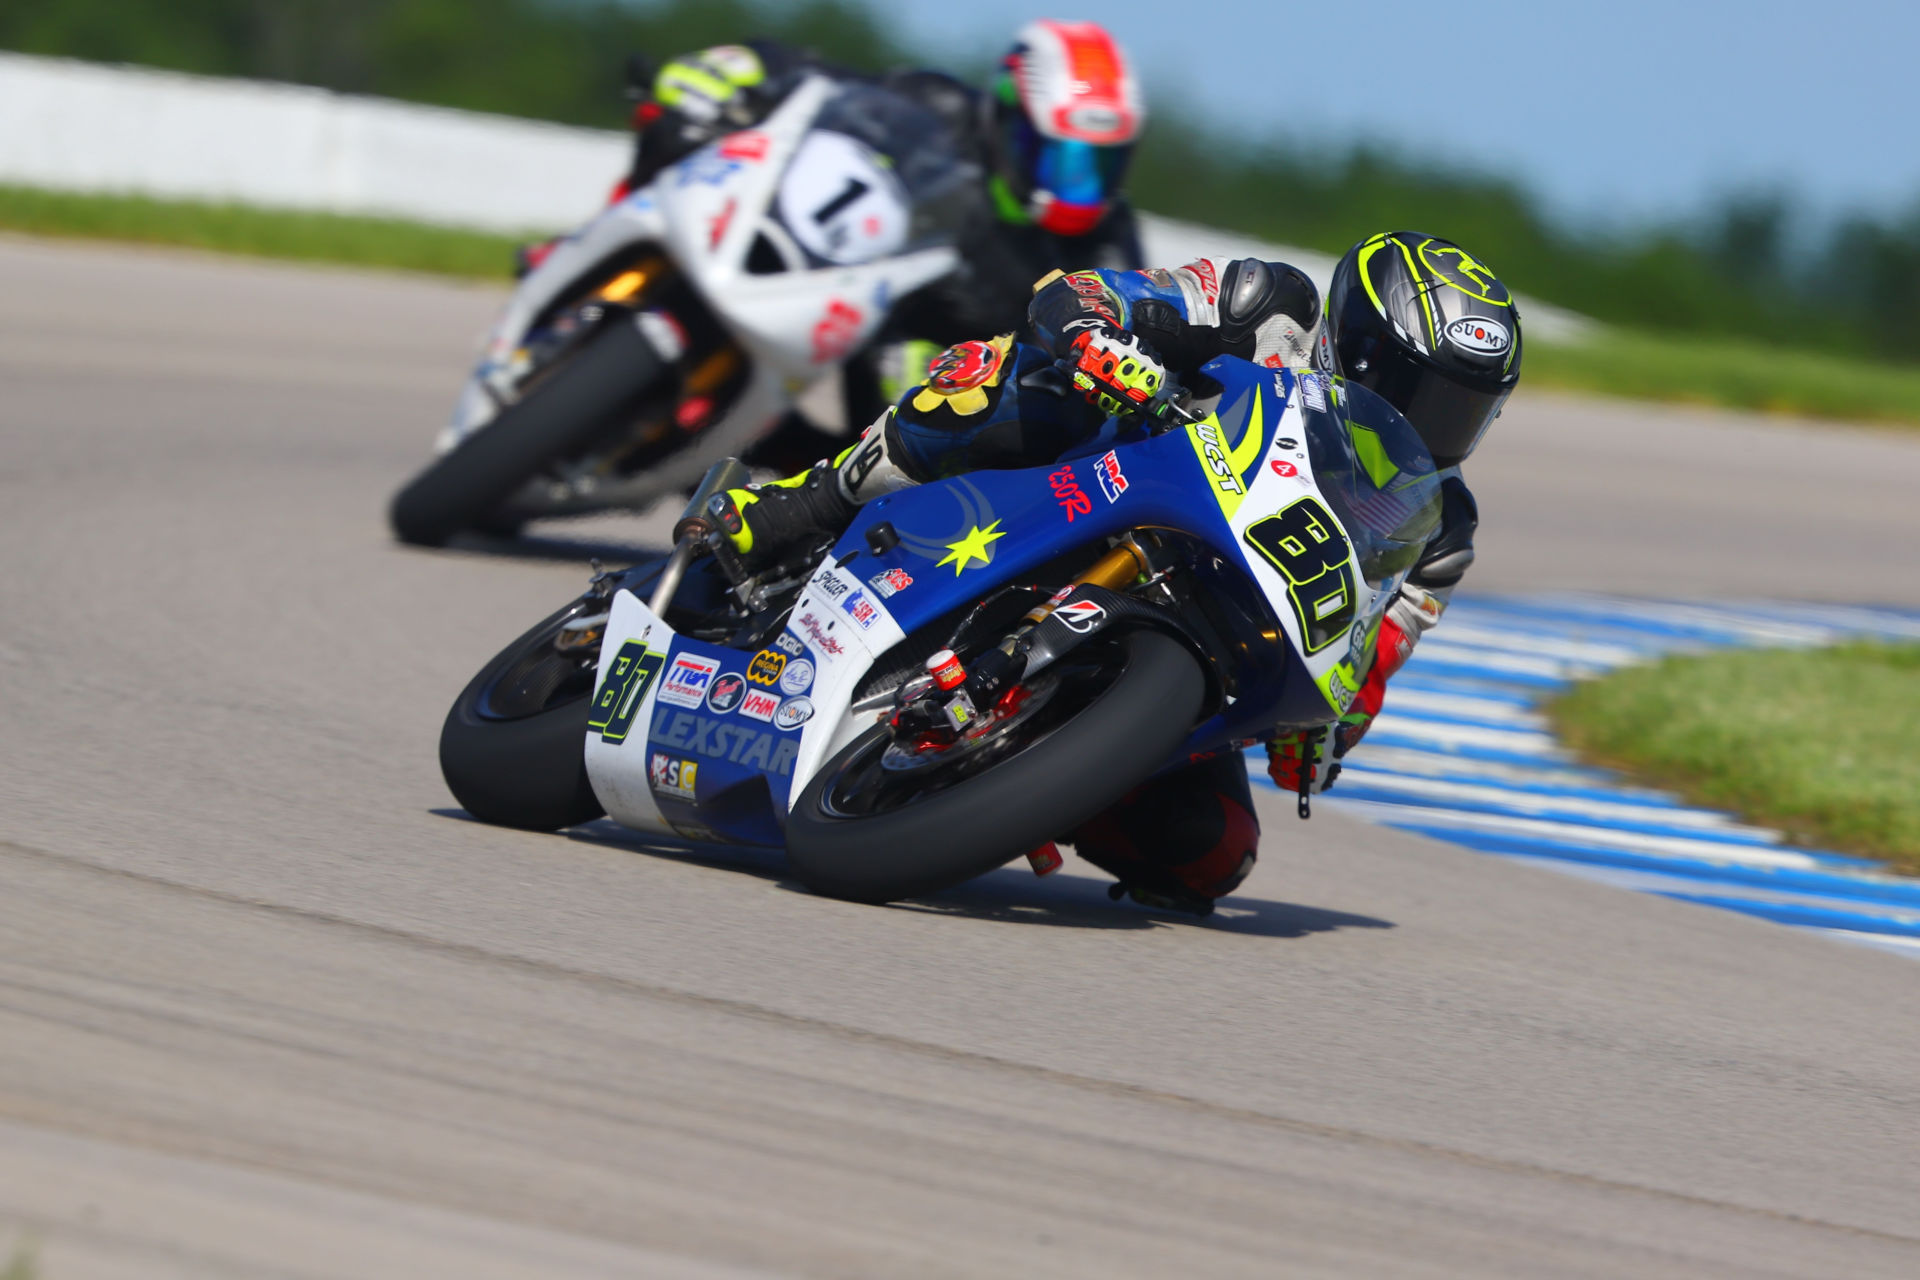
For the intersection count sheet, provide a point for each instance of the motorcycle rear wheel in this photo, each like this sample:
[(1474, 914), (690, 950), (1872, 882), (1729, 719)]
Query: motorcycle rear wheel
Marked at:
[(943, 832), (574, 406)]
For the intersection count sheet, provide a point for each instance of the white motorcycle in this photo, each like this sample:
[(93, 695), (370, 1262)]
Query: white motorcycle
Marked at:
[(677, 326)]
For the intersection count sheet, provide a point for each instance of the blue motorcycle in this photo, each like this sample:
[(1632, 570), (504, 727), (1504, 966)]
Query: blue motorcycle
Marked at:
[(978, 664)]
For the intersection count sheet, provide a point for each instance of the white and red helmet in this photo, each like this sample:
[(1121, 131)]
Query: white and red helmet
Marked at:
[(1069, 110)]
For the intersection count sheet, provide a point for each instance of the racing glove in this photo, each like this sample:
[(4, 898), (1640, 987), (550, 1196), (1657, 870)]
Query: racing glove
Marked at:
[(1313, 753), (1115, 370), (1413, 613)]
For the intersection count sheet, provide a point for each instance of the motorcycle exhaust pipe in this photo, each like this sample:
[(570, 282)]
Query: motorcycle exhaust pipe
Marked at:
[(695, 526)]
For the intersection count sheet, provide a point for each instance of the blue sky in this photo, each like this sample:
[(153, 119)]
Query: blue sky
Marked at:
[(1613, 111)]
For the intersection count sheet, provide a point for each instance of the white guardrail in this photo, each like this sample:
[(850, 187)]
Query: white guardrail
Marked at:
[(80, 126)]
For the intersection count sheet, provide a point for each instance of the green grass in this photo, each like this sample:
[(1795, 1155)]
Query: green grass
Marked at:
[(1731, 373), (264, 233), (1726, 372), (1821, 743), (22, 1265)]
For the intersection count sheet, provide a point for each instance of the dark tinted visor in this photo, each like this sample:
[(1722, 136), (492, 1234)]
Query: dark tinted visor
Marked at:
[(1450, 417), (1080, 172), (1071, 171)]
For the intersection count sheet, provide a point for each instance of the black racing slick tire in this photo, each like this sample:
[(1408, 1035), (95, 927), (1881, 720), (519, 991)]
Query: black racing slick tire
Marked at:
[(575, 405), (1050, 785), (513, 748)]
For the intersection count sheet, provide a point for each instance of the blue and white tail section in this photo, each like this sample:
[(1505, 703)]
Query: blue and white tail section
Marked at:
[(1461, 753)]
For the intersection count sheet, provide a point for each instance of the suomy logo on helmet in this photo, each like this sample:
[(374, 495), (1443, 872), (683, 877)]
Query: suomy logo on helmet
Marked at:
[(1480, 336)]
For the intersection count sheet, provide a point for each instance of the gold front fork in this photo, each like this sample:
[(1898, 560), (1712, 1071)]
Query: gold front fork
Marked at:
[(1114, 570)]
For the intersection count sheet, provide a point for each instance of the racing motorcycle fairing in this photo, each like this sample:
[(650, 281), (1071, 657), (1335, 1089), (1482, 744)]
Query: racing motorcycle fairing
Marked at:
[(797, 236), (1290, 513), (709, 741)]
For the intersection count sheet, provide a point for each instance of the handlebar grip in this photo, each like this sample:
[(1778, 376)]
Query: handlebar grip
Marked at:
[(728, 473)]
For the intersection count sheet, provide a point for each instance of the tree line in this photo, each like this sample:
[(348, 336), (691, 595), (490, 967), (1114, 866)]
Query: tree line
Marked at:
[(1730, 273)]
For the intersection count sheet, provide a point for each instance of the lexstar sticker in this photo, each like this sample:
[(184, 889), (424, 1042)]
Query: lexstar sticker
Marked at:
[(975, 546)]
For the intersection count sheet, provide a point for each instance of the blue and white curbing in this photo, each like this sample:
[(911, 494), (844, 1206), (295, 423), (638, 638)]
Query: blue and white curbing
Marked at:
[(1460, 753)]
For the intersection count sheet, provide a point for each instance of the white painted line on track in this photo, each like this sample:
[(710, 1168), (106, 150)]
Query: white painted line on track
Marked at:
[(1442, 735), (1676, 846), (1505, 640), (1755, 623), (1497, 662), (1461, 706), (1378, 754), (1525, 804), (1884, 941), (1870, 621)]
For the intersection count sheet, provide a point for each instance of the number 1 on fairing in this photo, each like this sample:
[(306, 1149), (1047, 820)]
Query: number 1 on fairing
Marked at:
[(854, 189)]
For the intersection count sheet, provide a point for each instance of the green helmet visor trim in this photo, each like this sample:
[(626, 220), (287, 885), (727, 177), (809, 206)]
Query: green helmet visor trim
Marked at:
[(1006, 204)]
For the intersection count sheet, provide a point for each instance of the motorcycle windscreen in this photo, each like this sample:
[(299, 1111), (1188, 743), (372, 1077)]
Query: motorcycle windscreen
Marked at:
[(1374, 473), (880, 174)]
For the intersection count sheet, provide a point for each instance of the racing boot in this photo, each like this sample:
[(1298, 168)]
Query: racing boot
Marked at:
[(767, 522)]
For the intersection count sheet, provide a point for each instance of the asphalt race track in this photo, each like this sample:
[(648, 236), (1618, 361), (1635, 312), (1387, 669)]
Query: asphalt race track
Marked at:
[(269, 1005)]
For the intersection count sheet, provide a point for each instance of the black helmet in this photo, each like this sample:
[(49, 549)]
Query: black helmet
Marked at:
[(1427, 327)]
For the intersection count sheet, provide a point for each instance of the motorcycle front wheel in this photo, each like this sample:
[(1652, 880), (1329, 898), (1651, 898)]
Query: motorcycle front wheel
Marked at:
[(512, 749), (867, 831)]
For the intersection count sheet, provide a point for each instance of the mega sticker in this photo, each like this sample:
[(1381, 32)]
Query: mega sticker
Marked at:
[(766, 666)]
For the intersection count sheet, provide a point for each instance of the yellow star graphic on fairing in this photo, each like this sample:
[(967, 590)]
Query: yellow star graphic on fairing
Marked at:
[(972, 547)]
